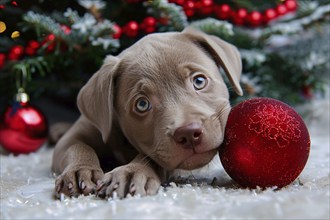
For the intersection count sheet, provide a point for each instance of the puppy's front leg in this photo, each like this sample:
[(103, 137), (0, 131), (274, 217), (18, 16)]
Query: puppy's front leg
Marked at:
[(139, 177), (75, 161)]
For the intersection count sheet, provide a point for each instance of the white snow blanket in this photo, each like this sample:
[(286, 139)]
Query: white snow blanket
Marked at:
[(27, 190)]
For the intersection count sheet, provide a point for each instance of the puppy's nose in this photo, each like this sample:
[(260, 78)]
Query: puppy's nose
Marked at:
[(189, 136)]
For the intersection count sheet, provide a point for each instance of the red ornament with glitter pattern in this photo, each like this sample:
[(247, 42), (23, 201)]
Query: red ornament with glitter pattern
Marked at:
[(266, 144)]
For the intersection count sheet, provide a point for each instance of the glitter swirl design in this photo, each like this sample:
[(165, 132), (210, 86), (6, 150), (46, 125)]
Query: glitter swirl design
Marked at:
[(275, 123)]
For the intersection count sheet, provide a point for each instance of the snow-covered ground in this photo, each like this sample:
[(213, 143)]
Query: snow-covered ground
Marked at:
[(27, 190)]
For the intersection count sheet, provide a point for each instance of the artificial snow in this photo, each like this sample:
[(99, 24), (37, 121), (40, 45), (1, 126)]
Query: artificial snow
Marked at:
[(27, 189)]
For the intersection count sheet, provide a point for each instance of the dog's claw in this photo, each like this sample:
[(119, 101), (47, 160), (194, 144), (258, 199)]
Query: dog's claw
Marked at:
[(78, 181)]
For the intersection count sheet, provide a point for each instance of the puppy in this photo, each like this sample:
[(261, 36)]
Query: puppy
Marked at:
[(160, 105)]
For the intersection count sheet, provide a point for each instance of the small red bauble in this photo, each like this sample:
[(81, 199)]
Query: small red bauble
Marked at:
[(118, 31), (149, 24), (16, 52), (239, 16), (291, 5), (66, 29), (49, 42), (281, 9), (269, 15), (255, 18), (23, 128), (189, 8), (266, 143), (223, 11), (206, 7), (131, 29), (32, 47)]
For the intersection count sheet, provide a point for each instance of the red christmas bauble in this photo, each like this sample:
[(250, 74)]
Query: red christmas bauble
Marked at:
[(16, 52), (23, 129), (32, 48), (223, 11), (149, 24), (189, 8), (266, 143), (239, 17), (49, 41), (255, 18), (131, 29), (291, 5), (281, 9), (269, 15), (118, 31)]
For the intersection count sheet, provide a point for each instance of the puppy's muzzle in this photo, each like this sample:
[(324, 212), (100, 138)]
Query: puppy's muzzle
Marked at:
[(189, 136)]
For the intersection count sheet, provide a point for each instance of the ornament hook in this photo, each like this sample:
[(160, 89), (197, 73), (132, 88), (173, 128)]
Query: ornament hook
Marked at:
[(21, 79)]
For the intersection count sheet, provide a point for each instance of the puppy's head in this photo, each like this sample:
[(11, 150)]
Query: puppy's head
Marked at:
[(167, 95)]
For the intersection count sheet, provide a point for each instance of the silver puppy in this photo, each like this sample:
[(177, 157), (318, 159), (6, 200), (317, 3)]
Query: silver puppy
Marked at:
[(160, 105)]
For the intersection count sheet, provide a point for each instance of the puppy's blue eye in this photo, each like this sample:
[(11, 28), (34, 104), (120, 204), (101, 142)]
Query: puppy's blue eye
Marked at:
[(199, 82), (142, 105)]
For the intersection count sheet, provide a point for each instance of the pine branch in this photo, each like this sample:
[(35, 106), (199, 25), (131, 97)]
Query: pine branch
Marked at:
[(44, 23), (297, 25), (31, 66), (213, 26), (176, 17)]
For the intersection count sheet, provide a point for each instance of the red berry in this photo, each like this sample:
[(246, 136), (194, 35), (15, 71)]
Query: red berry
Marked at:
[(16, 52), (269, 15), (239, 17), (223, 11), (255, 18), (118, 31), (281, 9), (131, 29), (189, 8), (291, 5)]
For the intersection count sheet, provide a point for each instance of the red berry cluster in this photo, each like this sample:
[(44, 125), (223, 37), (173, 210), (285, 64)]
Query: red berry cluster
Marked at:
[(132, 28), (206, 8), (240, 16), (18, 51)]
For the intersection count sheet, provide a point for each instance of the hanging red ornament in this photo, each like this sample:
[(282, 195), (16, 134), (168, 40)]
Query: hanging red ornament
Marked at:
[(255, 18), (291, 5), (189, 8), (23, 128), (269, 15), (281, 9), (16, 52), (2, 6), (131, 29), (32, 47), (118, 31), (223, 11), (2, 60), (266, 143), (239, 17)]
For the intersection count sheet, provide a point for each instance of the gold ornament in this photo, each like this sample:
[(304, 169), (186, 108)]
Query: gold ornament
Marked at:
[(15, 34), (2, 26)]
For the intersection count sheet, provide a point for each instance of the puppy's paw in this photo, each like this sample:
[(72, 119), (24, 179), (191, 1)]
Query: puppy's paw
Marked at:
[(133, 179), (78, 180)]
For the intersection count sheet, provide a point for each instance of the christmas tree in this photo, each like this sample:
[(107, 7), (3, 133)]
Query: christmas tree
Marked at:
[(51, 48)]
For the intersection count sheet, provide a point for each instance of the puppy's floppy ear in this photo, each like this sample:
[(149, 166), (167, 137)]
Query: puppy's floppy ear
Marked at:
[(95, 99), (224, 54)]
